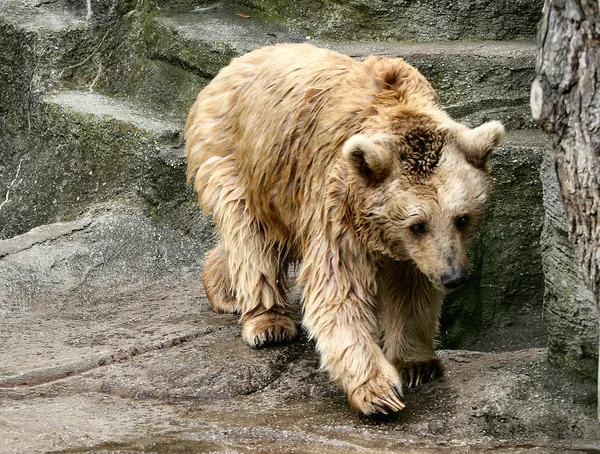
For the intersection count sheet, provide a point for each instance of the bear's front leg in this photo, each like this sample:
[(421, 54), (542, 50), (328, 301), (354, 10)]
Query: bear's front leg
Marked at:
[(339, 301), (410, 309)]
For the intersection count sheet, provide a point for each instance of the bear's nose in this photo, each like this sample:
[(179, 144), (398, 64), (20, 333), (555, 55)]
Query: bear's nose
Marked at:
[(454, 277)]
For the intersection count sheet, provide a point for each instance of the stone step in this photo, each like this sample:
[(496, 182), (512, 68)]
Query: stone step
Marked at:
[(117, 251), (425, 20), (89, 148), (39, 17), (476, 81), (35, 41)]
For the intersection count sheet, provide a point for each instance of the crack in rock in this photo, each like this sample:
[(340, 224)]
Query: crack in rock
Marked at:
[(41, 234), (10, 186), (280, 371), (49, 374)]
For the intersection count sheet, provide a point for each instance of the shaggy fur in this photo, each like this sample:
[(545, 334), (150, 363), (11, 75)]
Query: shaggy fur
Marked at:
[(352, 167)]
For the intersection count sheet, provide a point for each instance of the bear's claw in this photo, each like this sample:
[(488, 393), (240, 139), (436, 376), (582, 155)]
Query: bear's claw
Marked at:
[(416, 373)]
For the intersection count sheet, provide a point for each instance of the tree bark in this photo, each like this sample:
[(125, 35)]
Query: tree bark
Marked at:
[(565, 100)]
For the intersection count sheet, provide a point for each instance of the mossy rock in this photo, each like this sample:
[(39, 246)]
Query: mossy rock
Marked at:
[(85, 149)]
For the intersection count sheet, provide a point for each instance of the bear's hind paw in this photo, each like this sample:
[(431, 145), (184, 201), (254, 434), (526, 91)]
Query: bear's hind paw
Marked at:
[(269, 328)]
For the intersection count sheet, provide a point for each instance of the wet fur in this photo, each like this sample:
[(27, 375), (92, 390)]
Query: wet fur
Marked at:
[(301, 153)]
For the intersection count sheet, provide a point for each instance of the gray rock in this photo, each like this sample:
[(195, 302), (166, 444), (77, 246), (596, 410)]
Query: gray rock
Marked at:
[(56, 278), (106, 149), (40, 17), (34, 43)]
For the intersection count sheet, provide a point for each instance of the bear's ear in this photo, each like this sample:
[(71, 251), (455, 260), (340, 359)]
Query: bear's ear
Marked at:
[(367, 158), (479, 142)]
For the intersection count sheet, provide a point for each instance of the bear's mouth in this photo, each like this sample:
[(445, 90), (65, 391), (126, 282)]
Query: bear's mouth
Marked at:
[(438, 284)]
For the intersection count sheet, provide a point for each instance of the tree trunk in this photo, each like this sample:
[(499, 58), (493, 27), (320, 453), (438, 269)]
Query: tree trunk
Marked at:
[(565, 100)]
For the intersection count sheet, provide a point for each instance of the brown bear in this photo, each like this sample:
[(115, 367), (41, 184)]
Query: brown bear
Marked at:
[(352, 168)]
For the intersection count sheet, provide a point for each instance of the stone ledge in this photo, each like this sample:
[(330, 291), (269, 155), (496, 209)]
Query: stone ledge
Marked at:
[(107, 149), (108, 108), (39, 235), (425, 20), (39, 17)]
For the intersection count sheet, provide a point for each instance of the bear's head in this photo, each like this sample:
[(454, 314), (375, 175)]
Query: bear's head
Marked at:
[(418, 191)]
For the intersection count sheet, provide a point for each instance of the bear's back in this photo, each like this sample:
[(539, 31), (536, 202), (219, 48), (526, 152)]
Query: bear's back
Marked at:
[(258, 116), (256, 100), (274, 121)]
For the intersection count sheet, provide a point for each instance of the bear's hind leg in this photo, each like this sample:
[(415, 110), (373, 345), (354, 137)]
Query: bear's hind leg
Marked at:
[(409, 312), (271, 326), (258, 275), (217, 282), (260, 287)]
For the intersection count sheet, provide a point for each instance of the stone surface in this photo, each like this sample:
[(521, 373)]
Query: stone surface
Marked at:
[(570, 314), (109, 345), (34, 42), (57, 278), (39, 17)]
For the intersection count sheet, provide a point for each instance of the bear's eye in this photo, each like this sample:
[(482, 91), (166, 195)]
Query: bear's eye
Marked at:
[(418, 228), (462, 221)]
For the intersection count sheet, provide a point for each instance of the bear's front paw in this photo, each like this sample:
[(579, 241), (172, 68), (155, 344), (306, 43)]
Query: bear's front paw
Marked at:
[(381, 394), (418, 372)]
